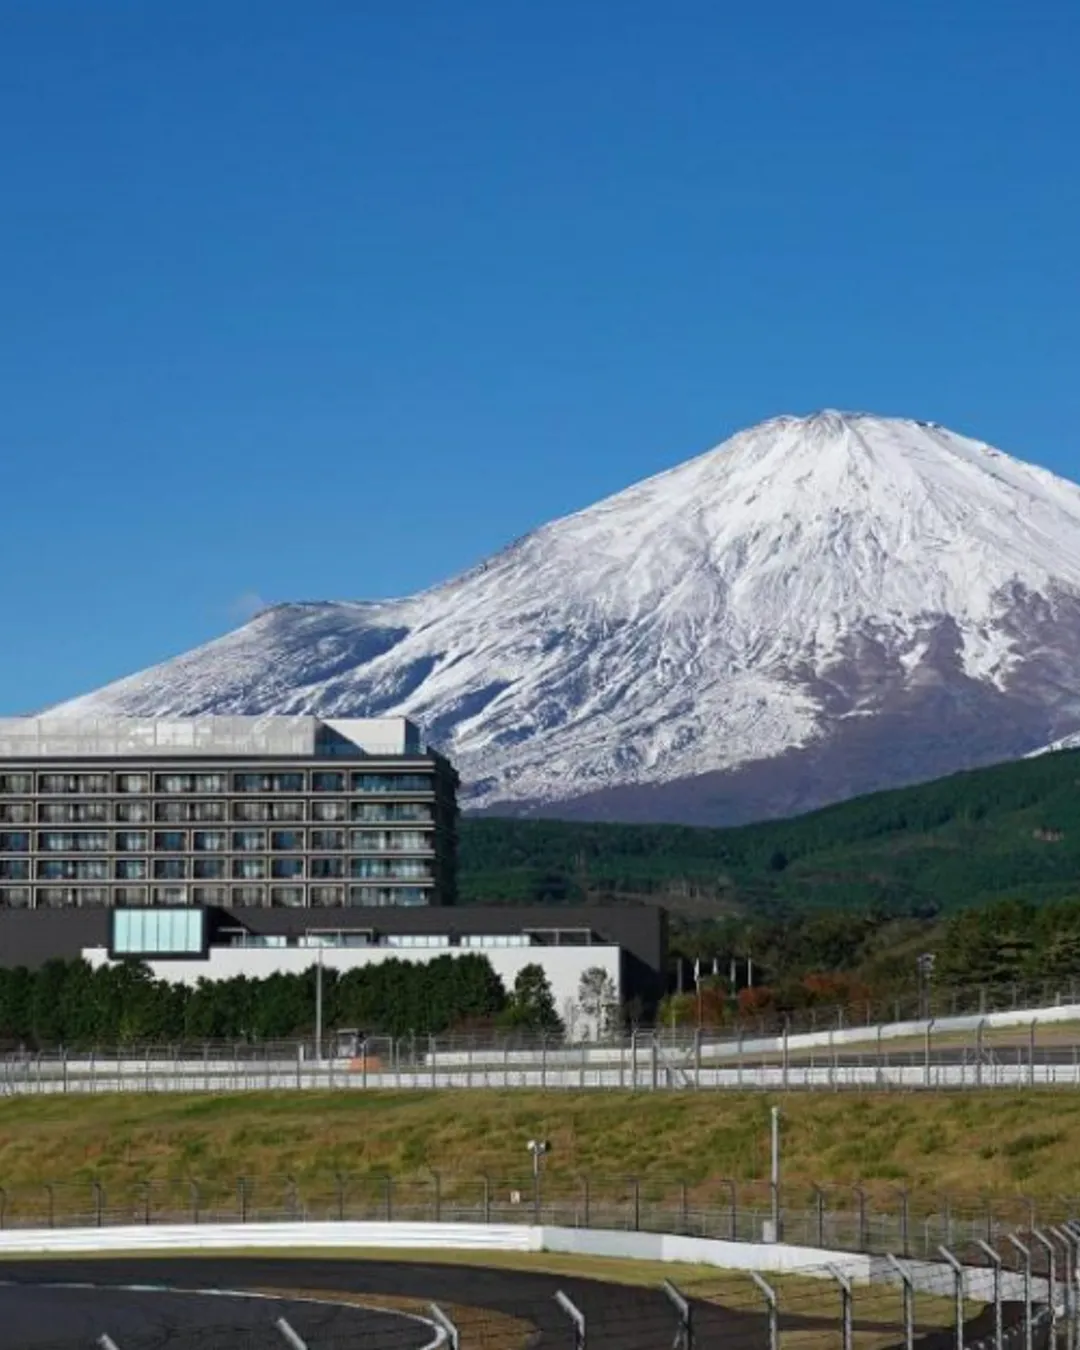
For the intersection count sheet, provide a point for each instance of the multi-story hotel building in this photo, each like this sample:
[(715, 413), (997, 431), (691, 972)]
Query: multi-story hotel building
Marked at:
[(239, 812)]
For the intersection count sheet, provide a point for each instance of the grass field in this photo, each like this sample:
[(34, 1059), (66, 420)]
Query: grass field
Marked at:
[(1000, 1143)]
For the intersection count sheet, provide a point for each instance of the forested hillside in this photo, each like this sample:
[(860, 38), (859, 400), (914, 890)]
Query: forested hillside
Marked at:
[(1011, 831)]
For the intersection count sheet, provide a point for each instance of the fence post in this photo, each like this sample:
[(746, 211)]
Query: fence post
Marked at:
[(577, 1318), (3, 1207), (1051, 1278), (1031, 1054), (928, 1050), (864, 1236), (905, 1221), (684, 1209), (437, 1186), (389, 1199), (819, 1208), (194, 1202), (585, 1182), (243, 1192), (684, 1336), (1068, 1284), (289, 1336), (448, 1328), (773, 1309), (99, 1203), (908, 1300), (958, 1277), (1025, 1253), (733, 1188), (846, 1321), (52, 1204), (995, 1261), (635, 1182)]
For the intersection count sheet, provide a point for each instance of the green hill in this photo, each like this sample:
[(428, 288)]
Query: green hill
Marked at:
[(1012, 830)]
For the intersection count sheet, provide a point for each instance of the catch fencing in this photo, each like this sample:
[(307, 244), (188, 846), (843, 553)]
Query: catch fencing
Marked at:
[(968, 1054), (868, 1219)]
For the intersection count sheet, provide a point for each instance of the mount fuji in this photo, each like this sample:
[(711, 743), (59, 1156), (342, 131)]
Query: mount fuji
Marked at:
[(819, 607)]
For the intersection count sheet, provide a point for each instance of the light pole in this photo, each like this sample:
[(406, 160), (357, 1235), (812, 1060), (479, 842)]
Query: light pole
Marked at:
[(318, 1004), (774, 1172), (538, 1148), (925, 964)]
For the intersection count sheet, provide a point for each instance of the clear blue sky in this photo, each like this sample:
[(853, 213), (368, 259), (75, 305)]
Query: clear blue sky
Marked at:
[(331, 299)]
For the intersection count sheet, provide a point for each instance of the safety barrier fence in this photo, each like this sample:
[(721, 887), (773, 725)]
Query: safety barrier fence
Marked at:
[(1043, 1050), (868, 1218), (1018, 1294)]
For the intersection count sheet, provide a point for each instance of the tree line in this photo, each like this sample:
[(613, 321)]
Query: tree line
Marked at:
[(70, 1003)]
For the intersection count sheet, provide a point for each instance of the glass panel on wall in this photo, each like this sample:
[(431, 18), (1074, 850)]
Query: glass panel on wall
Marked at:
[(251, 782), (16, 813), (14, 841), (392, 782), (328, 839), (209, 841), (131, 869), (130, 895), (172, 811), (92, 782), (131, 841), (146, 932), (291, 897), (326, 780), (133, 782), (285, 840), (287, 811), (16, 784), (210, 895), (93, 896), (205, 812), (208, 869), (57, 782), (174, 782), (55, 897), (388, 895), (391, 812), (328, 810), (288, 782), (14, 869), (15, 897), (248, 895), (168, 895), (211, 782), (249, 840), (328, 867), (287, 867), (170, 869)]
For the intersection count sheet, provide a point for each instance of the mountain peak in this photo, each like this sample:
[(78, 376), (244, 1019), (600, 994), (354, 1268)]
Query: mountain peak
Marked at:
[(809, 580)]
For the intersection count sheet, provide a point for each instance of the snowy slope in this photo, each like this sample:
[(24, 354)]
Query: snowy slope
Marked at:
[(806, 574)]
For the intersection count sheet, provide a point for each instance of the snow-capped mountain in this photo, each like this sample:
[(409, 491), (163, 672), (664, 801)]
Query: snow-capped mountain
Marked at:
[(817, 607)]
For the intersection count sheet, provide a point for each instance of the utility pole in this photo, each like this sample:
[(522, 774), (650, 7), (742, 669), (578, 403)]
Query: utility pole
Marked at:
[(318, 1005), (774, 1173)]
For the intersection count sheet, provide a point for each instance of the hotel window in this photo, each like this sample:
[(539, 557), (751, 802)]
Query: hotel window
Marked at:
[(388, 895), (56, 897), (67, 869), (131, 841), (14, 841), (288, 782), (249, 841), (57, 782), (56, 841), (208, 812), (169, 895), (286, 840), (291, 897), (92, 782), (287, 867), (174, 782), (130, 895), (15, 897), (328, 867), (16, 813), (172, 812), (133, 782), (209, 841), (209, 869), (287, 811), (131, 869), (378, 813), (210, 895), (133, 813), (170, 841), (249, 895), (248, 811), (249, 869), (413, 868), (16, 784), (170, 869), (327, 781), (211, 782), (328, 839), (93, 896), (92, 841), (14, 869), (328, 810), (327, 896), (391, 782), (251, 782)]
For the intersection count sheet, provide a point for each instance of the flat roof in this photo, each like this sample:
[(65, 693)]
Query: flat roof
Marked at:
[(60, 737)]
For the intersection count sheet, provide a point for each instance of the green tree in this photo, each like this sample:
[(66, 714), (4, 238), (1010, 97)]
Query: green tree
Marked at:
[(532, 1004)]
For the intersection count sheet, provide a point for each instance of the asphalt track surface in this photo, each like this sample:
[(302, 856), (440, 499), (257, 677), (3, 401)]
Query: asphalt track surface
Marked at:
[(37, 1311)]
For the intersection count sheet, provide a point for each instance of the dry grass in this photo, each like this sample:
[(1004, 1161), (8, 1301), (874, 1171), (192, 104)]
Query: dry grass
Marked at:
[(1005, 1143)]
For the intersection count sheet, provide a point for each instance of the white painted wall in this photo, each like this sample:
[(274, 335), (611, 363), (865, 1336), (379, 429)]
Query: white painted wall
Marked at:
[(564, 966)]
